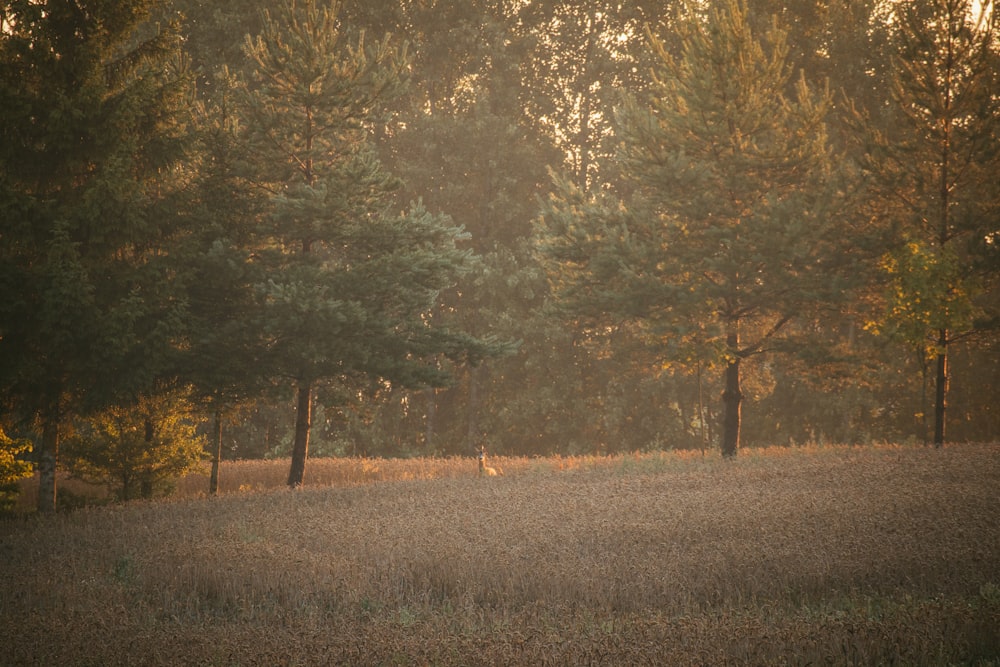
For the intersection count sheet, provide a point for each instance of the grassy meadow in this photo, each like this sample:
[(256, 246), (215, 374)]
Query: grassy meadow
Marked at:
[(836, 555)]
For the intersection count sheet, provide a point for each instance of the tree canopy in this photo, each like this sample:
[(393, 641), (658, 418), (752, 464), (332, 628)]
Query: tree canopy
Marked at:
[(94, 129), (729, 236), (932, 169), (541, 226), (349, 282)]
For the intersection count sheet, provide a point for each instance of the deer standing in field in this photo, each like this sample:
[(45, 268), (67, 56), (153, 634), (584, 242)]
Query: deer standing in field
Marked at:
[(485, 470)]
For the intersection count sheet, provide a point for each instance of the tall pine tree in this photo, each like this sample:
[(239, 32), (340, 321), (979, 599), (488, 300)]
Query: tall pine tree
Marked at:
[(727, 241), (91, 136), (349, 282)]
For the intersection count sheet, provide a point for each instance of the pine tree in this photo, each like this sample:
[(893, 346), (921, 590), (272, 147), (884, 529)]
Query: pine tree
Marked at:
[(91, 137), (348, 282), (216, 266), (727, 241)]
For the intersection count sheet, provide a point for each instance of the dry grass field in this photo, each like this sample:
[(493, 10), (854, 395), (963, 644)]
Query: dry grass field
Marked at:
[(843, 556)]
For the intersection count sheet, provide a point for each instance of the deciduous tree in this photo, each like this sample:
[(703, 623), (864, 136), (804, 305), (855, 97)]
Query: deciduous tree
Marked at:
[(932, 166), (136, 450), (13, 467)]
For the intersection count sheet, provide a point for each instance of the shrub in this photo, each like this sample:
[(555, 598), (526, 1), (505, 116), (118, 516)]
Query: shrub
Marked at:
[(137, 450), (12, 468)]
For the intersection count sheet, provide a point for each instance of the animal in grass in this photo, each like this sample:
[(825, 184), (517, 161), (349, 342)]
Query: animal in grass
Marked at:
[(485, 470)]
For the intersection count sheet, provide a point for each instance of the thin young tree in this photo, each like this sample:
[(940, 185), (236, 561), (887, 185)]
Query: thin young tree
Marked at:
[(932, 163), (217, 269)]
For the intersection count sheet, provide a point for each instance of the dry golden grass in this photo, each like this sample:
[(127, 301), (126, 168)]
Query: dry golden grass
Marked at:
[(243, 476), (827, 556)]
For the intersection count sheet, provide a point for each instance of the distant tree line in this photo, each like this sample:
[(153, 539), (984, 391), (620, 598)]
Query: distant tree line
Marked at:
[(256, 229)]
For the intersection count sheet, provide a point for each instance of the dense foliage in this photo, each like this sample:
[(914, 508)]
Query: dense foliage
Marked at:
[(13, 467), (137, 450), (542, 227)]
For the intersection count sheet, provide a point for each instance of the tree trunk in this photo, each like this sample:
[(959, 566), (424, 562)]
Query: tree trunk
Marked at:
[(146, 486), (472, 426), (303, 423), (732, 397), (944, 237), (924, 372), (702, 426), (213, 480), (941, 390), (48, 457), (126, 486), (429, 424), (146, 476)]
